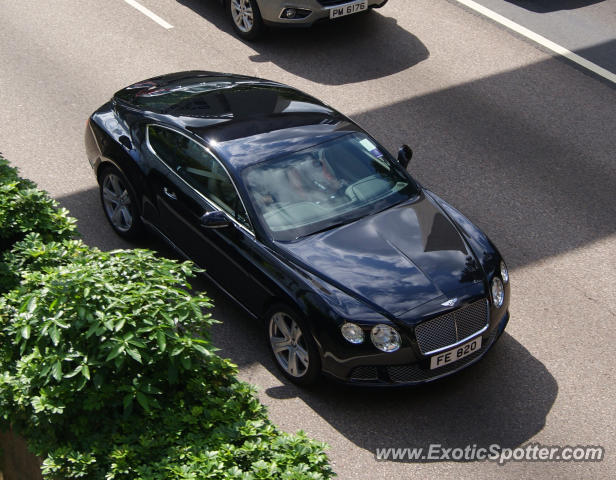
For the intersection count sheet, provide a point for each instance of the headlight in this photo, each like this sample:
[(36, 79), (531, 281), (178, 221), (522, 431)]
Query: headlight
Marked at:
[(504, 272), (498, 293), (385, 338), (352, 333)]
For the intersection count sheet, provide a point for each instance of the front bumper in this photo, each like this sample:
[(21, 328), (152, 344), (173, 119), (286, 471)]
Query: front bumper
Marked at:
[(311, 11), (419, 372), (388, 369)]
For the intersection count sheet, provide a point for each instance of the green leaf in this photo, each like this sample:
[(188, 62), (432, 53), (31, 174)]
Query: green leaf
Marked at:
[(82, 383), (46, 371), (134, 353), (85, 371), (25, 331), (54, 334), (56, 370), (31, 304), (37, 404), (186, 363), (127, 401), (120, 324), (74, 372), (93, 328), (202, 349), (162, 341), (115, 351), (143, 401), (177, 350), (137, 343)]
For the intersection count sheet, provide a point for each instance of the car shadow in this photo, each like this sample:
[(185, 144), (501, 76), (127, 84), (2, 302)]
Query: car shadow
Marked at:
[(349, 50), (547, 6), (95, 231), (504, 399)]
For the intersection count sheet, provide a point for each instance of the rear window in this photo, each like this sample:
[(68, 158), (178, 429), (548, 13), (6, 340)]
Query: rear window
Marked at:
[(217, 97), (163, 98)]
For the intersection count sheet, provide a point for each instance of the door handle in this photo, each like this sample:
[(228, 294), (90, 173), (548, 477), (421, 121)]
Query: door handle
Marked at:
[(170, 194)]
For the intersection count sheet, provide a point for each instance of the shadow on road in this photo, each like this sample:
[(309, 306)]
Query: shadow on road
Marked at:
[(85, 206), (517, 154), (353, 49), (603, 54), (546, 6), (504, 400)]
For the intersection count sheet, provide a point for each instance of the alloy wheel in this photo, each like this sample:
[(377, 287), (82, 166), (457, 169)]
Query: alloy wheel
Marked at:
[(242, 13), (289, 344), (117, 202)]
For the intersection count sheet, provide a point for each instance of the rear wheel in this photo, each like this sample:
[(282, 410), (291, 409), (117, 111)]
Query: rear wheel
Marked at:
[(245, 18), (119, 203), (292, 346)]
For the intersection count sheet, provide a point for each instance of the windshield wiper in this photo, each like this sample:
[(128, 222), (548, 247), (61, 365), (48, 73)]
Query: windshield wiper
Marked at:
[(329, 227)]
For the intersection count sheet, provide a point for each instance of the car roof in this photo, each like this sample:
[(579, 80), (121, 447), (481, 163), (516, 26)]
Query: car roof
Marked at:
[(243, 119)]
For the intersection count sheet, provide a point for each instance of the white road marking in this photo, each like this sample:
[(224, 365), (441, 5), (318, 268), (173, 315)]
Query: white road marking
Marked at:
[(149, 13), (535, 37)]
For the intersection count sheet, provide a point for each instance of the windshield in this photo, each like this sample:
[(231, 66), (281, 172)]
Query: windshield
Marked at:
[(326, 185)]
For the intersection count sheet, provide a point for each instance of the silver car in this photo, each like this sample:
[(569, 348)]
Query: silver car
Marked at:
[(249, 17)]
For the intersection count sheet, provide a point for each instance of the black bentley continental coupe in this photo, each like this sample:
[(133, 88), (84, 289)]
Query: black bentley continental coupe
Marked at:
[(306, 221)]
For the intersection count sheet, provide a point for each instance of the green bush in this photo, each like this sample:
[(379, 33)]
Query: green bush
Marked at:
[(107, 370), (24, 209)]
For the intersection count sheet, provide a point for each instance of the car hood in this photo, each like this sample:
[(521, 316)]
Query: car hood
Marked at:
[(395, 260)]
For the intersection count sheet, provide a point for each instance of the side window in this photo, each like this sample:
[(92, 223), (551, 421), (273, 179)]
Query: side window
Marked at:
[(198, 168)]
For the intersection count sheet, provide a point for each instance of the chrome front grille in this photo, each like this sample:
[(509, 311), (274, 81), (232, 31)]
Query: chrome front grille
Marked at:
[(414, 373), (452, 327)]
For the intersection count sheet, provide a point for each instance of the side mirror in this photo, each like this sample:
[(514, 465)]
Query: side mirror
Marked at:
[(404, 155), (215, 219)]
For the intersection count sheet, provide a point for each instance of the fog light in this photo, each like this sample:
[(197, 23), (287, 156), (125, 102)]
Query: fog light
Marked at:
[(498, 293), (504, 272), (352, 333), (385, 338), (290, 13)]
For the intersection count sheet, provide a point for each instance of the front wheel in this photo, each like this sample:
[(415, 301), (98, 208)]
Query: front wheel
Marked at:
[(119, 203), (245, 18), (292, 346)]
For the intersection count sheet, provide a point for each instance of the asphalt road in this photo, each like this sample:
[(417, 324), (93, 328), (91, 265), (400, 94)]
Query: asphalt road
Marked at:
[(518, 139), (586, 27)]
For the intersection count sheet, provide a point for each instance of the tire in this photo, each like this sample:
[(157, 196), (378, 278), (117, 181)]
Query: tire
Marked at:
[(292, 346), (120, 203), (245, 18)]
